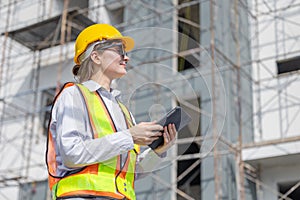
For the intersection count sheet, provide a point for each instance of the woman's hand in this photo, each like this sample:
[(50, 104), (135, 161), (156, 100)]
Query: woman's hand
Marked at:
[(169, 139), (145, 133)]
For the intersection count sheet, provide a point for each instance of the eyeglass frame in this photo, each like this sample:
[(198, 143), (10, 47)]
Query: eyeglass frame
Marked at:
[(121, 50)]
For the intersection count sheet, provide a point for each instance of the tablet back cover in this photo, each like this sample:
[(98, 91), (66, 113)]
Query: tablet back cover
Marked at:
[(175, 116)]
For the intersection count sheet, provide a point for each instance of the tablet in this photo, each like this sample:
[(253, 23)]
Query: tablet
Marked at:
[(175, 116)]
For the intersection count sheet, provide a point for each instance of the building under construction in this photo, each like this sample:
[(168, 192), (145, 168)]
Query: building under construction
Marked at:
[(233, 65)]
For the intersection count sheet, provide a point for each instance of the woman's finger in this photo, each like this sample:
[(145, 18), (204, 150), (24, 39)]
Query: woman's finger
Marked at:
[(172, 131), (166, 134)]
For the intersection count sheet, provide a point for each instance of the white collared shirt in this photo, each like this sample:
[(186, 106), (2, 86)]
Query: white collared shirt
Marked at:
[(75, 146)]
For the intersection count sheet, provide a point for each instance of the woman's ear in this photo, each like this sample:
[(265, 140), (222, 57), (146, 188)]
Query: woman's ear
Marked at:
[(96, 57)]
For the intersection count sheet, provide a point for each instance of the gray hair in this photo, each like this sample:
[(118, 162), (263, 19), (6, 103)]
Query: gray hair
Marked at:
[(86, 70)]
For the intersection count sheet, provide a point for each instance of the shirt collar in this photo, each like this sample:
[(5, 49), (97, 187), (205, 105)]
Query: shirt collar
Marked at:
[(94, 86)]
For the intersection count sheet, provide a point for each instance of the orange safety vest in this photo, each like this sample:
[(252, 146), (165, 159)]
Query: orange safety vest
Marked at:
[(105, 179)]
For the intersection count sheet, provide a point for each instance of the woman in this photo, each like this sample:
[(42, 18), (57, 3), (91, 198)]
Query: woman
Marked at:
[(93, 143)]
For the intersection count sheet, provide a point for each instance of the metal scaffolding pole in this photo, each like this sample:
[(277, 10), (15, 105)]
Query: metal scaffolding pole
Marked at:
[(217, 177), (239, 159), (63, 29), (262, 20)]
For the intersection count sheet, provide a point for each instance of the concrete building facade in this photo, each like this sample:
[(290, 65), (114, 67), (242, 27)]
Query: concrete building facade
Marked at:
[(232, 65)]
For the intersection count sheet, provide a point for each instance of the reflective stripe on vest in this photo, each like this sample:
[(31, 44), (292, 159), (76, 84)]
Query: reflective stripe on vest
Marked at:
[(103, 179)]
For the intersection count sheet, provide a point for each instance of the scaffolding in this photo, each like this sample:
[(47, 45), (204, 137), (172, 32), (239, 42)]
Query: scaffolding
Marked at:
[(56, 32)]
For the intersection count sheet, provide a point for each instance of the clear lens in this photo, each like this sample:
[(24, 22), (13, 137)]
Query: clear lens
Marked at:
[(116, 47)]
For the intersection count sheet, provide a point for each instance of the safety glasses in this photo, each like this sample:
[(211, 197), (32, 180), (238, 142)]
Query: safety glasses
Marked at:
[(115, 47)]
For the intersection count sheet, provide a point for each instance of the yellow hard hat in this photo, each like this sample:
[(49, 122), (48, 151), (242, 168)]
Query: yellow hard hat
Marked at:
[(98, 32)]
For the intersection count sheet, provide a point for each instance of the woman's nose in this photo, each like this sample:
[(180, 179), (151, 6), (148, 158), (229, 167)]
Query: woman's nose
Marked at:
[(126, 58)]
